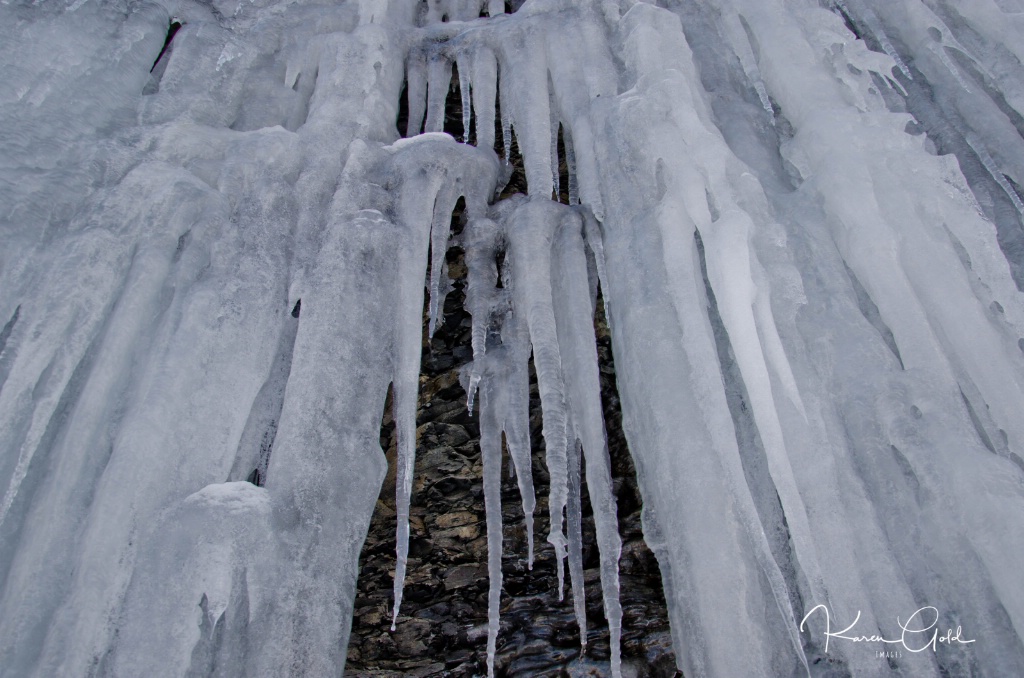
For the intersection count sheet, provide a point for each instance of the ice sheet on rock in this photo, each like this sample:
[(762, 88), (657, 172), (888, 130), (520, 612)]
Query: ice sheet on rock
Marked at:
[(796, 102)]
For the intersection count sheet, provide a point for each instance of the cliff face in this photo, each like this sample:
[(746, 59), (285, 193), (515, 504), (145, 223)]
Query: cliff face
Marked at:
[(442, 630)]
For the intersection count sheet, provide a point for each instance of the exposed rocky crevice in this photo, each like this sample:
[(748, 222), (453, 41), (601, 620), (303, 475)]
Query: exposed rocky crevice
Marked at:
[(442, 628)]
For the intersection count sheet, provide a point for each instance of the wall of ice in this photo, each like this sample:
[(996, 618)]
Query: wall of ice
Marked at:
[(804, 219)]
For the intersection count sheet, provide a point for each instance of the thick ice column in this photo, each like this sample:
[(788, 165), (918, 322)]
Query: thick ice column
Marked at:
[(730, 267), (504, 367), (583, 75), (877, 179), (915, 300), (328, 465), (424, 204)]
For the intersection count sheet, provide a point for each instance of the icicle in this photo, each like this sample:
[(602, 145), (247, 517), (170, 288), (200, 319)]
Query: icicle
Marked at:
[(533, 119), (506, 114), (490, 450), (873, 24), (482, 272), (594, 241), (515, 336), (730, 266), (993, 170), (481, 237), (575, 532), (592, 278), (573, 313), (444, 287), (416, 91), (940, 51), (439, 232), (495, 7), (465, 88), (405, 388), (738, 34), (530, 248), (484, 92), (439, 75)]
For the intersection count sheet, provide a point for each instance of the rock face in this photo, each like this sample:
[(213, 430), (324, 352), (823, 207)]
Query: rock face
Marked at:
[(442, 629)]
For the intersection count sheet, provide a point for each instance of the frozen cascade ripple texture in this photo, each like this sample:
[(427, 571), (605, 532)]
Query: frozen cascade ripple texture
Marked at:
[(804, 218)]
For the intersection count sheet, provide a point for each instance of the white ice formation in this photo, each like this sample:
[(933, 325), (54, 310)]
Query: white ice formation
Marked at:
[(804, 218)]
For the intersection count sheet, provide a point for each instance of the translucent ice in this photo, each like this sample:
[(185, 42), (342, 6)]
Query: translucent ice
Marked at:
[(803, 220)]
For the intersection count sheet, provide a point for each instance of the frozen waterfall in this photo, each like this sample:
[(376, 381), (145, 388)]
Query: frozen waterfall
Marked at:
[(804, 219)]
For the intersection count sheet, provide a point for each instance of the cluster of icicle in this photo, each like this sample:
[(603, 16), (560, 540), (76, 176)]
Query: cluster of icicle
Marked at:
[(542, 301)]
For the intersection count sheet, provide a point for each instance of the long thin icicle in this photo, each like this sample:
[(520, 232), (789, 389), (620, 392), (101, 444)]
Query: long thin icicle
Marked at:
[(530, 248), (516, 337), (575, 533), (465, 85), (574, 315), (505, 101), (490, 450), (440, 231)]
